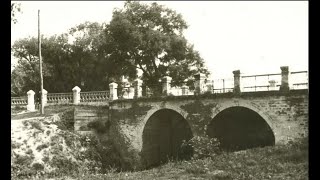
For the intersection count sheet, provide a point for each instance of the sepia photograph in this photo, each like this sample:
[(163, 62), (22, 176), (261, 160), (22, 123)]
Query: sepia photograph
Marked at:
[(145, 90)]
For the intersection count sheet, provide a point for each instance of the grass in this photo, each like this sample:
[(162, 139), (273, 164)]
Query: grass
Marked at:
[(278, 163), (48, 111)]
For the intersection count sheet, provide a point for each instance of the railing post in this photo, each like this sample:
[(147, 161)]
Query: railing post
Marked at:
[(236, 84), (45, 94), (185, 90), (284, 79), (166, 85), (272, 85), (30, 106), (199, 83), (137, 88), (209, 86), (76, 95), (113, 91)]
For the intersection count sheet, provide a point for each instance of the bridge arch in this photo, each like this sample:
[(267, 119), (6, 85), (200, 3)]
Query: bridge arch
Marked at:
[(162, 136), (240, 126)]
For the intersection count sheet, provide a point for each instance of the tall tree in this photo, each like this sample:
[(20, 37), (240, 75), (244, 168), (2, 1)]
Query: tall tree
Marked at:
[(150, 38), (15, 8)]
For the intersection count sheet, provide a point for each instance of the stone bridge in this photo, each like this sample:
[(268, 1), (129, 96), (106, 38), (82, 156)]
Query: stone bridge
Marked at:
[(149, 130)]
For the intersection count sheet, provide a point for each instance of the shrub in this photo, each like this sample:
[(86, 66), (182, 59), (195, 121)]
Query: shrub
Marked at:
[(99, 126), (38, 166), (203, 146), (66, 120), (36, 125), (42, 146)]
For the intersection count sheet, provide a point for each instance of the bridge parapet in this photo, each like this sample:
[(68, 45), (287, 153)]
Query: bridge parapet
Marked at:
[(284, 82)]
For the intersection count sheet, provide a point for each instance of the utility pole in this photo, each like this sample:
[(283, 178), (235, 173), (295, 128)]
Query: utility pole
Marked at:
[(40, 63)]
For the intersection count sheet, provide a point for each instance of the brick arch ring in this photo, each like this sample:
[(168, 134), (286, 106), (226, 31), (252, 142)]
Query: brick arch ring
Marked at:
[(226, 105), (178, 110)]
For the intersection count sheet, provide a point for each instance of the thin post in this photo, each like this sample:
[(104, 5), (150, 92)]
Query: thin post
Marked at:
[(223, 86), (40, 64)]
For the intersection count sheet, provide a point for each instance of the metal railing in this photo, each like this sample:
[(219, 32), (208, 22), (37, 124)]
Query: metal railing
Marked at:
[(223, 85), (261, 82), (299, 80)]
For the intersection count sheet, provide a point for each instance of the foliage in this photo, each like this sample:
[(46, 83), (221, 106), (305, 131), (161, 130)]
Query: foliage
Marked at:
[(150, 38), (99, 126), (92, 55), (15, 8), (203, 147), (66, 121)]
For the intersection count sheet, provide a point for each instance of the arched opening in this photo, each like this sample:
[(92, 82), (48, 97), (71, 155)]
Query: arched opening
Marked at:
[(162, 138), (239, 128)]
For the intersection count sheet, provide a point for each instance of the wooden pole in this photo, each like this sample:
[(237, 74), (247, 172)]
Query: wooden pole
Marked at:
[(40, 63)]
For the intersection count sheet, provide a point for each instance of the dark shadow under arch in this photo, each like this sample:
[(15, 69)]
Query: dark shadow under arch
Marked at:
[(240, 128), (162, 137)]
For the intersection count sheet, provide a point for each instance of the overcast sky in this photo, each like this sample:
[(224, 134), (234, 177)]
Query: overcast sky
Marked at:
[(255, 37)]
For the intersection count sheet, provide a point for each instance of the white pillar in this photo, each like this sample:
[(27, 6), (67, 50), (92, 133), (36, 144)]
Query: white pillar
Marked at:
[(76, 95), (113, 91), (30, 106), (272, 85), (166, 85), (199, 83), (45, 99), (137, 88), (185, 90), (209, 86)]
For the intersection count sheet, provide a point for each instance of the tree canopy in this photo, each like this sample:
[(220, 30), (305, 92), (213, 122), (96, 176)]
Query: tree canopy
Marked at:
[(150, 38), (15, 8)]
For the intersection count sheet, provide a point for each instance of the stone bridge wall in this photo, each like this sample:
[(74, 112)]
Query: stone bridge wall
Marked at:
[(285, 113)]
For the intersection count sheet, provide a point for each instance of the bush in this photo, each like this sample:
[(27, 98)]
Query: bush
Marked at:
[(99, 126), (36, 125), (42, 146), (203, 146), (66, 120)]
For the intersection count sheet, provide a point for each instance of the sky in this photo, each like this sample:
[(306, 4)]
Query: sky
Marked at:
[(255, 37)]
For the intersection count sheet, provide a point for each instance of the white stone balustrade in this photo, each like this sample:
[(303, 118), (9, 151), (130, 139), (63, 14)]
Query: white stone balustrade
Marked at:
[(59, 98), (19, 100), (94, 96)]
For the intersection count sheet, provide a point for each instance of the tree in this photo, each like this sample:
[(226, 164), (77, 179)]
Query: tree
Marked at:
[(82, 62), (150, 38), (15, 7)]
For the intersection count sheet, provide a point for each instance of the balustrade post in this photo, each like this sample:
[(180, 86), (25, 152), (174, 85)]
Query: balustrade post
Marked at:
[(185, 90), (76, 95), (30, 106), (284, 79), (236, 76), (166, 85), (45, 95), (272, 85), (209, 86), (113, 91), (137, 88), (199, 83)]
